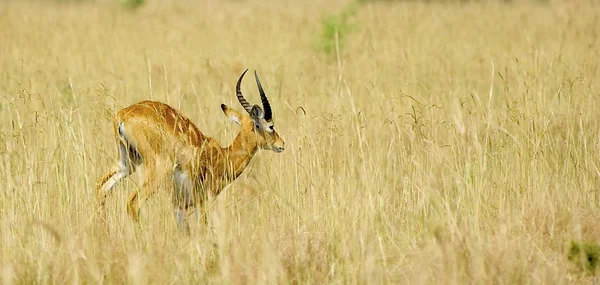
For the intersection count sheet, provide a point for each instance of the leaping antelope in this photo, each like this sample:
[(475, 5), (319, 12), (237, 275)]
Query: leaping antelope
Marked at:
[(152, 133)]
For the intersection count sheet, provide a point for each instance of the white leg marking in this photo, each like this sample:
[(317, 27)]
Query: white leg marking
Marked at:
[(182, 197), (180, 217), (115, 179)]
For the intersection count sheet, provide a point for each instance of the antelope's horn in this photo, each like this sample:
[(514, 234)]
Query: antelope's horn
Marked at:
[(240, 97), (265, 101)]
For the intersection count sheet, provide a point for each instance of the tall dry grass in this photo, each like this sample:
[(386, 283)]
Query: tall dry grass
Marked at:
[(449, 144)]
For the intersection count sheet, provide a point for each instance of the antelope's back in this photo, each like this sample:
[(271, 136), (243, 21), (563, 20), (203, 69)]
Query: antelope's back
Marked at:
[(161, 123)]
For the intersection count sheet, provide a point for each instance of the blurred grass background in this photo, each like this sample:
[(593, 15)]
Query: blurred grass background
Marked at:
[(427, 142)]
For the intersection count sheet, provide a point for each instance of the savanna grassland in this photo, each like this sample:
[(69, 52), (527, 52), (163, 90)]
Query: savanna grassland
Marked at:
[(435, 143)]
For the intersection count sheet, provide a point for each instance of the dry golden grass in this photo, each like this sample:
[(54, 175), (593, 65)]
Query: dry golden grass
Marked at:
[(450, 144)]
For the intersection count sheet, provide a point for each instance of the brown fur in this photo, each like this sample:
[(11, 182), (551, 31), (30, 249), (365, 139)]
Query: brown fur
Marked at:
[(159, 134)]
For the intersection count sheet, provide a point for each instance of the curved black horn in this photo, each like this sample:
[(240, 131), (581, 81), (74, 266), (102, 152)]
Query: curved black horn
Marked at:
[(238, 93), (263, 98)]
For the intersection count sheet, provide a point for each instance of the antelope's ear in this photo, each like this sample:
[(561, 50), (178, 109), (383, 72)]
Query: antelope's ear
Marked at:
[(232, 114), (256, 114)]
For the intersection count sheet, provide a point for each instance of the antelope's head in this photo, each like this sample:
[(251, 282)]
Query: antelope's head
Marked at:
[(259, 122)]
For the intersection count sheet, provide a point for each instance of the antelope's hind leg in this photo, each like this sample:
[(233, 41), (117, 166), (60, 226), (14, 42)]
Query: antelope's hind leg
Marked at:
[(155, 172), (182, 197), (122, 168), (147, 190)]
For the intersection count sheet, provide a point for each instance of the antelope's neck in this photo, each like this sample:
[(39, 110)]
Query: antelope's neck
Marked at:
[(239, 154)]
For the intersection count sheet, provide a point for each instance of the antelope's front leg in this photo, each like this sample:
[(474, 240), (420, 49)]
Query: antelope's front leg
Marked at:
[(204, 199), (181, 218), (202, 205)]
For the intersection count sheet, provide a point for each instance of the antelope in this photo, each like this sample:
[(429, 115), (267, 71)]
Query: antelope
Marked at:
[(151, 133)]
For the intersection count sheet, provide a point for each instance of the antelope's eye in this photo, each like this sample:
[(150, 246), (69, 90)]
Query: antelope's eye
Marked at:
[(272, 128)]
